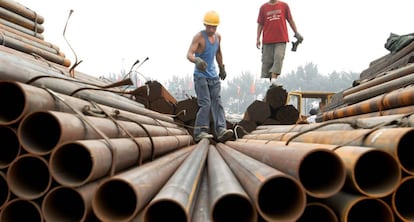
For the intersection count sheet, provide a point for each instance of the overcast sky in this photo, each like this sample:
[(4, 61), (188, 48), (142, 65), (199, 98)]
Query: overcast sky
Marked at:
[(338, 35)]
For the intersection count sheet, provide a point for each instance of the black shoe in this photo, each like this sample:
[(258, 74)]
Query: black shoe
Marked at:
[(225, 135)]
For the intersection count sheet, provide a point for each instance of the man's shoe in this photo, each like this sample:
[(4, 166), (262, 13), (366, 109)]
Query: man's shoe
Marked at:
[(225, 135), (202, 135)]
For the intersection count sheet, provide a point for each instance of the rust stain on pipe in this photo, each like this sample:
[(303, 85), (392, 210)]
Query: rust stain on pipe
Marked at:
[(228, 200), (307, 164), (123, 196), (276, 195), (316, 211)]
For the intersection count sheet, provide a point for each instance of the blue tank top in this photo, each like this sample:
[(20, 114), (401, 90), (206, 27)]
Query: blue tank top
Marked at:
[(208, 56)]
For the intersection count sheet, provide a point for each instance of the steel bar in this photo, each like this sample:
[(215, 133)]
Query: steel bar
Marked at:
[(28, 177), (306, 164), (276, 195), (69, 204), (21, 20), (42, 131), (395, 141), (21, 99), (394, 99), (21, 210), (316, 211), (76, 163), (16, 67), (402, 199), (228, 200), (176, 199), (369, 171), (4, 190), (201, 212), (10, 146), (22, 10), (123, 196), (352, 207)]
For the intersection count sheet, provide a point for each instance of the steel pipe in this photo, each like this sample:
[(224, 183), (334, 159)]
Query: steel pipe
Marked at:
[(76, 163), (42, 131), (402, 199), (21, 210), (69, 204), (22, 10), (351, 207), (21, 99), (21, 20), (228, 200), (395, 141), (201, 212), (316, 211), (370, 171), (21, 28), (306, 164), (28, 177), (276, 195), (10, 146), (175, 201), (30, 41), (4, 190), (123, 196)]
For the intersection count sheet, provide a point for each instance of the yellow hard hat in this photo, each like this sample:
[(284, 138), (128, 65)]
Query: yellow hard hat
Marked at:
[(211, 18)]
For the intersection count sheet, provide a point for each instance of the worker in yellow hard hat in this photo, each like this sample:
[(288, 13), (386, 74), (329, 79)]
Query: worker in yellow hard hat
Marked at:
[(204, 48)]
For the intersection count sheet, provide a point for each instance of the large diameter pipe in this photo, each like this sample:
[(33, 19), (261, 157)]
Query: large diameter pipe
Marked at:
[(176, 199), (316, 211), (306, 164), (21, 210), (28, 177), (4, 190), (22, 99), (353, 207), (78, 162), (123, 196), (402, 199), (276, 195), (369, 171), (201, 212), (69, 204), (10, 146), (228, 200), (396, 141), (42, 131)]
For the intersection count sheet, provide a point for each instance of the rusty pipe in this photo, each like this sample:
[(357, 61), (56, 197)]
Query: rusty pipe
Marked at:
[(4, 190), (21, 20), (28, 176), (352, 207), (21, 210), (201, 211), (21, 28), (26, 99), (10, 146), (40, 132), (395, 141), (134, 188), (76, 163), (306, 164), (317, 211), (402, 199), (228, 200), (175, 201), (369, 171), (22, 10), (69, 204), (276, 195)]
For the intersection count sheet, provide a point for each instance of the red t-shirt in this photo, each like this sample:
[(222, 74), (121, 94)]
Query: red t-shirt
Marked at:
[(273, 19)]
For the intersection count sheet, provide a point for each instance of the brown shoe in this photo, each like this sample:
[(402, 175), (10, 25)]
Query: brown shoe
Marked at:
[(225, 135)]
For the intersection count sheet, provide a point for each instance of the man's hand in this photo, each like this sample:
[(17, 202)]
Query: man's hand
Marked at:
[(200, 64), (222, 73), (299, 37)]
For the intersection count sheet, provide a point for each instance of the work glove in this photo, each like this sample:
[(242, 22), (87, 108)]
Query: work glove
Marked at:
[(200, 64), (222, 73), (298, 36)]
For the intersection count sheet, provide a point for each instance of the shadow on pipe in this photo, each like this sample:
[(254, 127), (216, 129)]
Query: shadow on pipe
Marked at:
[(318, 212), (228, 200), (402, 199), (21, 210), (201, 211), (28, 177), (10, 146), (276, 195), (4, 190)]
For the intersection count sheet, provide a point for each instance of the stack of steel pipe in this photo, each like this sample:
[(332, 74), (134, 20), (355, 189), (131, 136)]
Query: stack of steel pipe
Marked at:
[(378, 162), (21, 29)]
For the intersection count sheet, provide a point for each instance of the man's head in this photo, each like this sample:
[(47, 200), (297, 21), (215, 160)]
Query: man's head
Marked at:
[(211, 21)]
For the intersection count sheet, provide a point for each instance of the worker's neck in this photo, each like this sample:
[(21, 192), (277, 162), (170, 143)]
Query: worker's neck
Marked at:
[(272, 2)]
